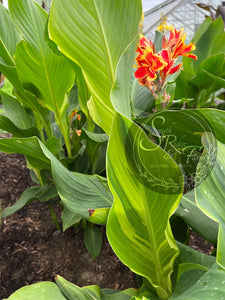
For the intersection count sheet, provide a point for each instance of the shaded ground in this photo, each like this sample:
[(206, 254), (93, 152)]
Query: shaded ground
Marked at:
[(31, 250)]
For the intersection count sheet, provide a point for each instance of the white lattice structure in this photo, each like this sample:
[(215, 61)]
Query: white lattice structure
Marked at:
[(180, 13)]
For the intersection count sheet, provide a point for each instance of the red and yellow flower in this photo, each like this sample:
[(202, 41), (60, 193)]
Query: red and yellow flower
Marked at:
[(148, 62), (176, 44), (152, 65)]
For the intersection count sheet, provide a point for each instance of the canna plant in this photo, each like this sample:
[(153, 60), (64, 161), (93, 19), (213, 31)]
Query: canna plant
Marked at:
[(162, 163)]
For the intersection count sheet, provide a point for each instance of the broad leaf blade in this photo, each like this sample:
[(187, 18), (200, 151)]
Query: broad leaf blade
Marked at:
[(210, 286), (210, 194), (194, 217), (72, 291), (141, 189), (36, 63), (9, 37), (69, 218), (14, 111), (189, 255), (7, 125), (81, 193), (26, 196), (94, 34), (40, 193), (92, 292), (93, 240), (41, 291), (29, 147)]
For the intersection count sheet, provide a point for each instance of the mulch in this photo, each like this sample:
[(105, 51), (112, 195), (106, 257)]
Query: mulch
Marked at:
[(32, 250)]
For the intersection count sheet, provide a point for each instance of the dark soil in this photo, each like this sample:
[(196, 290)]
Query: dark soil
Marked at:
[(32, 250)]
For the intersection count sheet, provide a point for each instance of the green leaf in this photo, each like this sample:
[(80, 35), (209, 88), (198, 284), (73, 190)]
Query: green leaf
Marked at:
[(7, 125), (189, 266), (42, 193), (184, 89), (179, 134), (142, 178), (205, 120), (189, 255), (210, 286), (94, 34), (69, 218), (83, 92), (99, 216), (216, 119), (14, 111), (213, 65), (41, 71), (196, 219), (210, 42), (81, 193), (120, 93), (141, 98), (93, 240), (29, 147), (27, 195), (202, 29), (92, 292), (210, 193), (9, 37), (41, 291), (121, 295), (96, 137), (191, 274), (71, 291)]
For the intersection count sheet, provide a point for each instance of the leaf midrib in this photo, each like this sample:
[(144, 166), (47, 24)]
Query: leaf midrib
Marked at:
[(151, 237), (111, 71)]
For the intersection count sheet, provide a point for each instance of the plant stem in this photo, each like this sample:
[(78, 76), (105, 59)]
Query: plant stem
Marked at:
[(54, 218)]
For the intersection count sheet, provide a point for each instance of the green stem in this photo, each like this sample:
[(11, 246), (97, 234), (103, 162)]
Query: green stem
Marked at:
[(54, 218), (38, 173), (65, 134)]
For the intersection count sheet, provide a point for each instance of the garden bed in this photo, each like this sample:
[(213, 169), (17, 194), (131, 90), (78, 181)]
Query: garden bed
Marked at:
[(32, 250)]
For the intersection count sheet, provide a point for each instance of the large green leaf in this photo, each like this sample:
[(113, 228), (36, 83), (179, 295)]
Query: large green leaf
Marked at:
[(189, 255), (147, 186), (213, 65), (210, 194), (7, 125), (47, 75), (208, 42), (92, 292), (69, 218), (93, 240), (179, 134), (41, 291), (195, 218), (9, 37), (216, 119), (81, 193), (94, 34), (42, 193), (141, 98), (210, 286), (29, 147), (14, 111)]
